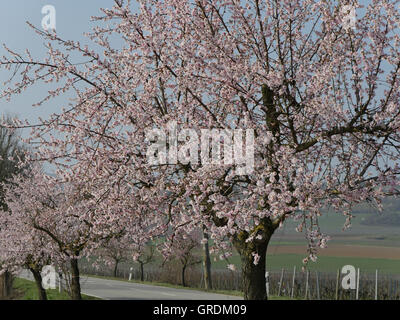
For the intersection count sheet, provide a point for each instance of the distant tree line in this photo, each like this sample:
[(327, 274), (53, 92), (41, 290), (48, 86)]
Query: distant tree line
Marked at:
[(382, 219)]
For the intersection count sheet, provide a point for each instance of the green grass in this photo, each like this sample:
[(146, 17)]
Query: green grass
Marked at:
[(27, 290)]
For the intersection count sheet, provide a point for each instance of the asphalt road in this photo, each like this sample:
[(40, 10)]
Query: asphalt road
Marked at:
[(123, 290)]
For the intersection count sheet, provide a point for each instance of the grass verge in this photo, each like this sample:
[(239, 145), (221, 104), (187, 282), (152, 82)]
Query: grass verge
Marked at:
[(27, 290)]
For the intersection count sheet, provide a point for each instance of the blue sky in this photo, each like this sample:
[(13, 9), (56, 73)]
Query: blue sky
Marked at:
[(73, 19)]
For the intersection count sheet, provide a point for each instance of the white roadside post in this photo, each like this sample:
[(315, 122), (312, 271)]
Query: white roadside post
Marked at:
[(267, 282), (130, 273)]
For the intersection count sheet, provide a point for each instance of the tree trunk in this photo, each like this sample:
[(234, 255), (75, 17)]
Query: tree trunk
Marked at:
[(75, 283), (206, 264), (115, 268), (6, 281), (253, 275), (8, 284), (141, 272), (39, 285), (183, 276)]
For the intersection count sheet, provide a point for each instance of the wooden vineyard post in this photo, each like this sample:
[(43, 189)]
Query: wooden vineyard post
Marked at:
[(307, 275), (318, 297), (337, 285), (358, 284), (294, 276), (280, 283)]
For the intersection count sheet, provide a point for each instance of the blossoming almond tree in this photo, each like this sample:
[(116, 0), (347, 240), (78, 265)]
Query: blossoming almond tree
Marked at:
[(144, 253), (322, 99), (115, 251), (24, 247), (134, 242), (184, 248), (51, 221)]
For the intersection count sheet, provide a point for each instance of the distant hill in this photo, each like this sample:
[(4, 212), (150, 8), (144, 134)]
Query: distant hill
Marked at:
[(390, 216), (382, 219)]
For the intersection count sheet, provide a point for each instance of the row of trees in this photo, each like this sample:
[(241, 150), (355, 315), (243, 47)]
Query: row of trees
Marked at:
[(43, 222), (185, 252), (321, 99), (11, 152), (47, 222)]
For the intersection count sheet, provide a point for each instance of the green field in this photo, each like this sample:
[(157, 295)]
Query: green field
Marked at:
[(323, 264), (331, 224)]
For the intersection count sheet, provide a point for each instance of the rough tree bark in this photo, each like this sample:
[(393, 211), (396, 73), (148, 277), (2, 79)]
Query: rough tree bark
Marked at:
[(38, 280), (6, 281), (115, 268), (206, 264), (183, 275), (253, 275), (141, 271), (75, 283)]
